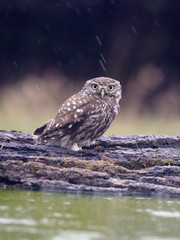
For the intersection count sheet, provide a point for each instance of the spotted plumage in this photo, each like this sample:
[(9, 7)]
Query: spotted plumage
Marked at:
[(83, 117)]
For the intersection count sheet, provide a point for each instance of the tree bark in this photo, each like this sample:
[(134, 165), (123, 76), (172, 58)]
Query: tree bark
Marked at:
[(145, 165)]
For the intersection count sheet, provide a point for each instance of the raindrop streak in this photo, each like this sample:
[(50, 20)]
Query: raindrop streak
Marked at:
[(112, 1), (55, 50), (78, 11), (103, 57), (102, 65), (57, 4), (133, 29), (71, 62), (59, 64), (89, 9), (68, 4), (47, 27), (99, 41), (15, 64), (157, 23)]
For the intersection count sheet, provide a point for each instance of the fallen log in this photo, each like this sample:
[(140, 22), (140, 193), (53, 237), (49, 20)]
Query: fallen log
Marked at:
[(145, 165)]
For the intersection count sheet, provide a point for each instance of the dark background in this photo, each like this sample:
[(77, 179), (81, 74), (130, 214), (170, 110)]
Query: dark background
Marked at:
[(134, 41)]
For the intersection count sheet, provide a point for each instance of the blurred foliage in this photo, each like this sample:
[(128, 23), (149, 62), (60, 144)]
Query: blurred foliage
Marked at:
[(50, 48)]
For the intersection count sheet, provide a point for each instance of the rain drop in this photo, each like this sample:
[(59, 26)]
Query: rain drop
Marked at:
[(89, 9), (78, 11), (133, 29), (23, 9), (113, 2), (58, 5), (55, 50), (47, 27), (99, 41), (157, 23), (68, 4), (103, 57), (15, 64), (102, 65), (71, 62)]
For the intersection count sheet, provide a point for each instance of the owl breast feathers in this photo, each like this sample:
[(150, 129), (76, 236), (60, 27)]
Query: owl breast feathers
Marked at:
[(83, 117)]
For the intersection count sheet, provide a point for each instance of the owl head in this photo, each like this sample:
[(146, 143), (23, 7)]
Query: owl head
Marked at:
[(107, 89)]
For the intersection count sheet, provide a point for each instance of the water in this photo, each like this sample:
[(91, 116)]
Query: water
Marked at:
[(37, 215)]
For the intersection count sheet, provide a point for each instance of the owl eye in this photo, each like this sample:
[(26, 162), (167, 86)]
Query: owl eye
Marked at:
[(111, 87), (94, 86)]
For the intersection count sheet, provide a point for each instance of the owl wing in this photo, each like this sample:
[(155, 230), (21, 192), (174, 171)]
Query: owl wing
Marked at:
[(70, 116)]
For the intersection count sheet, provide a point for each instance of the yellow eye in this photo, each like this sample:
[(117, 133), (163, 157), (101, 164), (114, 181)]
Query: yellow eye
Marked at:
[(94, 86), (111, 87)]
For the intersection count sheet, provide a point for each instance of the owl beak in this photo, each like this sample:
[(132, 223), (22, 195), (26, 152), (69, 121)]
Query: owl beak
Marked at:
[(102, 93)]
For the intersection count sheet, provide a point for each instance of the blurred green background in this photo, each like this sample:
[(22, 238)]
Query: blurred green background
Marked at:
[(50, 48)]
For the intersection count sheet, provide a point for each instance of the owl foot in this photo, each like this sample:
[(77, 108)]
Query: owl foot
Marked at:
[(75, 147)]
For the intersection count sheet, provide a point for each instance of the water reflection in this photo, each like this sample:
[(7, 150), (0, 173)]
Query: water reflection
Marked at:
[(38, 215)]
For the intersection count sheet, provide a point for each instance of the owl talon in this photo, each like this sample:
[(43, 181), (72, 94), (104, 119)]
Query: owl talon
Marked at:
[(75, 147)]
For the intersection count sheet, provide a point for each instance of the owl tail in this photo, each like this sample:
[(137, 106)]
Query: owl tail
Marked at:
[(37, 133), (40, 130)]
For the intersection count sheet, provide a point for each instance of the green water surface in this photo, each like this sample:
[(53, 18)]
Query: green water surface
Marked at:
[(38, 215)]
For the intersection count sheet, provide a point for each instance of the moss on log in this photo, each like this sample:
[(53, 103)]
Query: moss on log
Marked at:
[(145, 165)]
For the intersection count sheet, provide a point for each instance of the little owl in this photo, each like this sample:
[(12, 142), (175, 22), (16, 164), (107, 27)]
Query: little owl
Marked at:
[(83, 117)]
